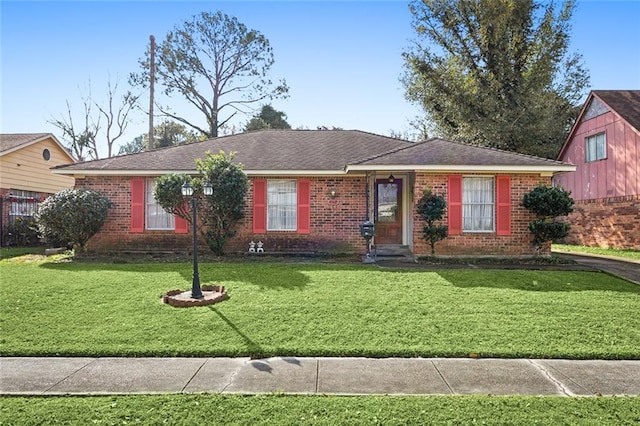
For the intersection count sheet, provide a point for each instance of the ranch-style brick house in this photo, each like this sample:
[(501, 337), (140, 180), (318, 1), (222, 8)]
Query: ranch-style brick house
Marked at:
[(604, 144), (309, 190)]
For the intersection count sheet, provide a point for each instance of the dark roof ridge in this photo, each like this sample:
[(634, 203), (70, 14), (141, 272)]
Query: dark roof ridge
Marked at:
[(392, 151)]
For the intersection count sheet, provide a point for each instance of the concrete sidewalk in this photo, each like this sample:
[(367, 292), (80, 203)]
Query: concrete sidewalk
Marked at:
[(340, 376)]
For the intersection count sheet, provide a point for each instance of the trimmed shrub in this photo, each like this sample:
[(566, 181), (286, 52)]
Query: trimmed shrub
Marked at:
[(73, 216), (431, 207), (548, 203)]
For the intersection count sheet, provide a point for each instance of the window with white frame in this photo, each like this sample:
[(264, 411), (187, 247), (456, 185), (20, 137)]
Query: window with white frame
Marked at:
[(156, 217), (596, 147), (478, 204), (23, 204), (282, 200)]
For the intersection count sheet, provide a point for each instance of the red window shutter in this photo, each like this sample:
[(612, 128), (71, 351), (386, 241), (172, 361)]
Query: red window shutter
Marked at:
[(259, 206), (180, 225), (137, 205), (304, 207), (503, 205), (454, 196)]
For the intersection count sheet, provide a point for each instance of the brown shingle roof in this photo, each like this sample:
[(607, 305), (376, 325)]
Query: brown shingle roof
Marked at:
[(10, 141), (624, 102), (261, 150), (310, 150), (447, 153)]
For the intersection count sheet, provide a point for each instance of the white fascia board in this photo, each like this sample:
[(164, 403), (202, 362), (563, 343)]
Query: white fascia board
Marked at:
[(465, 168), (295, 172), (94, 172)]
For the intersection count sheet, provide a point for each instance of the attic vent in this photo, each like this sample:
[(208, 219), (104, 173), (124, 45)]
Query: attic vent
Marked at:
[(596, 108), (46, 154)]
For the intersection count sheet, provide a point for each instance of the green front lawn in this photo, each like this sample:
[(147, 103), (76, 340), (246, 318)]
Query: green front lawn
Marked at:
[(317, 410), (628, 254), (88, 309)]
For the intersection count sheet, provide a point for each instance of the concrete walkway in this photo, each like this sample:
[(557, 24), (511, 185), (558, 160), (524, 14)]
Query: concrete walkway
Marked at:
[(340, 376)]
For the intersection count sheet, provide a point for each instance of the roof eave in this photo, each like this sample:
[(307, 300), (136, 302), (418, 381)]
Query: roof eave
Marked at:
[(102, 172), (466, 168), (40, 139)]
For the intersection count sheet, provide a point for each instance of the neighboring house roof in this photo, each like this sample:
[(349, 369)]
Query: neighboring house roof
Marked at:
[(10, 142), (625, 103), (313, 152)]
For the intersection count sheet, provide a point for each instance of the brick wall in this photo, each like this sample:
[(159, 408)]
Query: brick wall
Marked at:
[(335, 221), (115, 234), (474, 244), (606, 222), (328, 233)]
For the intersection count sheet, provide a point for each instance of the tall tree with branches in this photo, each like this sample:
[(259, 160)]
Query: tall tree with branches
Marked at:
[(496, 73), (116, 114), (218, 65), (80, 141), (109, 123)]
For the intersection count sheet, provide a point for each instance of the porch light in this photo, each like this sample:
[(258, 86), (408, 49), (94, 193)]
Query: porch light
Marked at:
[(391, 178)]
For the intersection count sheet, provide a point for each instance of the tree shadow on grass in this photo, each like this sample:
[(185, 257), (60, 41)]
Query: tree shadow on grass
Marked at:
[(264, 276), (253, 349), (539, 281)]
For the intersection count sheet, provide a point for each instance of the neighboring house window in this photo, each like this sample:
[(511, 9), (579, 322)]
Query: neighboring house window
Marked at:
[(478, 204), (281, 205), (23, 204), (156, 217), (596, 147)]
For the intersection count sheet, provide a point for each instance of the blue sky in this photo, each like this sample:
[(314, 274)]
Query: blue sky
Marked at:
[(342, 60)]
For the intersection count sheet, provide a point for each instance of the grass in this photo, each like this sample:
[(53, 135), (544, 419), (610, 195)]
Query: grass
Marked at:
[(318, 410), (89, 309), (9, 252), (628, 254)]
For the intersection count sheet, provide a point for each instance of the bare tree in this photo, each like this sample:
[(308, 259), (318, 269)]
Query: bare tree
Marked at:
[(79, 141), (116, 120), (82, 142), (217, 64)]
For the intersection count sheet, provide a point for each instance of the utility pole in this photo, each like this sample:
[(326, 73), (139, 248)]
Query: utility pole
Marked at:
[(152, 75)]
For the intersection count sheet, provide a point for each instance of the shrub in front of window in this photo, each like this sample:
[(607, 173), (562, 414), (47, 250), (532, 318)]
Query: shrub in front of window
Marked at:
[(73, 216), (219, 213), (23, 232), (431, 208), (548, 203)]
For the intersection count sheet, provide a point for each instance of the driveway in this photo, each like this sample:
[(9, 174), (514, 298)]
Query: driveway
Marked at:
[(627, 269)]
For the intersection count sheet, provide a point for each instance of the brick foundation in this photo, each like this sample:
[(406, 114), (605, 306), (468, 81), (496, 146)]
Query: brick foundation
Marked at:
[(606, 222)]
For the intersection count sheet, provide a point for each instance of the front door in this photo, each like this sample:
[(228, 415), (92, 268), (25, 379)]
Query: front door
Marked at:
[(388, 211)]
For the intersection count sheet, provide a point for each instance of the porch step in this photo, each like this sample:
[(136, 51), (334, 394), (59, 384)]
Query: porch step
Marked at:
[(393, 250)]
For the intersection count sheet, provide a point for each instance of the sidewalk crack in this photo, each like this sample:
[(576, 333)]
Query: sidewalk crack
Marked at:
[(93, 361), (194, 375), (442, 377), (234, 374), (558, 384)]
